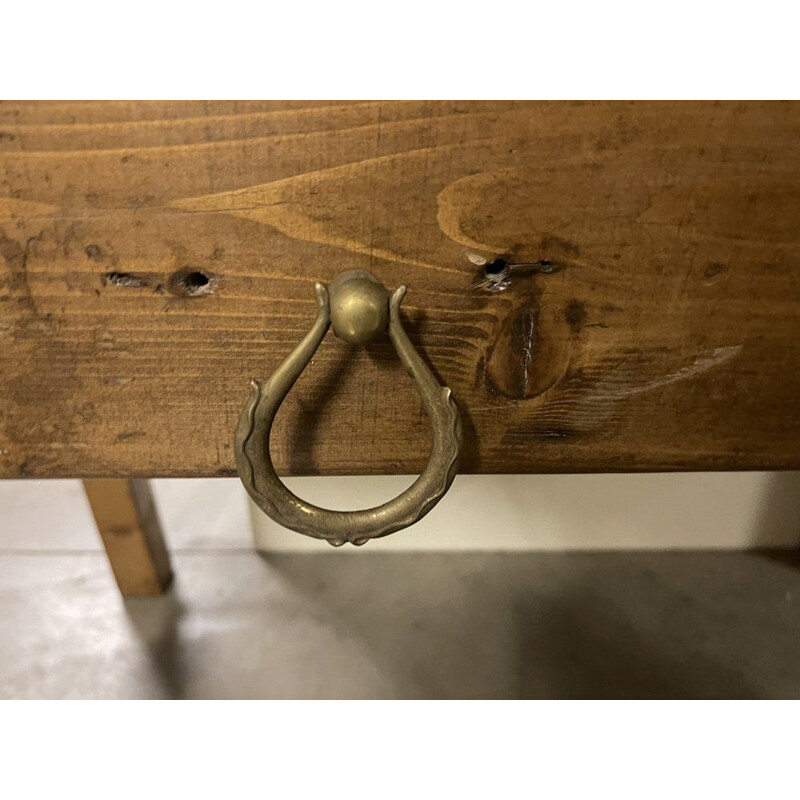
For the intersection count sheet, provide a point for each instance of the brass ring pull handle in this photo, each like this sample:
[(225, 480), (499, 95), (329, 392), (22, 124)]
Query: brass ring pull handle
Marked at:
[(358, 306)]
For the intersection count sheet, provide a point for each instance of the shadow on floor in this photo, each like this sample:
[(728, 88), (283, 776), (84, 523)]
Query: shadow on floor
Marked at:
[(584, 648), (444, 625), (524, 625), (157, 624)]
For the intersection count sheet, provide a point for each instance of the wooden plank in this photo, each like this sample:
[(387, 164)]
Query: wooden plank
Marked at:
[(155, 257), (128, 523)]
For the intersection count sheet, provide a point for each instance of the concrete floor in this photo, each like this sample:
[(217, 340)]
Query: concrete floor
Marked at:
[(369, 625)]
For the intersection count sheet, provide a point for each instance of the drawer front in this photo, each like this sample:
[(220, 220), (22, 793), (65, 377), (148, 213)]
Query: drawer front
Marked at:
[(154, 257)]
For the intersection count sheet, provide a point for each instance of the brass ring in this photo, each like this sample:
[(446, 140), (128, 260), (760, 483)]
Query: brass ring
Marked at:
[(358, 306)]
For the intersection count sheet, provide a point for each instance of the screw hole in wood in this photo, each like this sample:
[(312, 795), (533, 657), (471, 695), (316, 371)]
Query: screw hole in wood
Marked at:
[(191, 282)]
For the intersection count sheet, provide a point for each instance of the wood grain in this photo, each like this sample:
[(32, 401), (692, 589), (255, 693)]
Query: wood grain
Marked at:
[(156, 256), (128, 523)]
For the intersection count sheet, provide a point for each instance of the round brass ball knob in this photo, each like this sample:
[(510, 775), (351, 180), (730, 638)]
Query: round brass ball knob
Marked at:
[(359, 307)]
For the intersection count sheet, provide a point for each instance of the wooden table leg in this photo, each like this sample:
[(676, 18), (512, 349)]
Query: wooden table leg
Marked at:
[(128, 523)]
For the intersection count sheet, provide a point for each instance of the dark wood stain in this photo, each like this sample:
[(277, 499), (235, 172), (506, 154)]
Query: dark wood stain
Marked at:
[(575, 314)]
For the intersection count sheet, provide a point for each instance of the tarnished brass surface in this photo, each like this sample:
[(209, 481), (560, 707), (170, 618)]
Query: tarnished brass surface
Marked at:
[(358, 305)]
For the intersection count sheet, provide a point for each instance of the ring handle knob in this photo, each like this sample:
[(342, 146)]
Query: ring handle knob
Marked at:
[(359, 307)]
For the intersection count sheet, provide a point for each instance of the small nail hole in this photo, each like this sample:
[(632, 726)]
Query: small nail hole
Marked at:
[(498, 267), (195, 282), (494, 277), (191, 282)]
